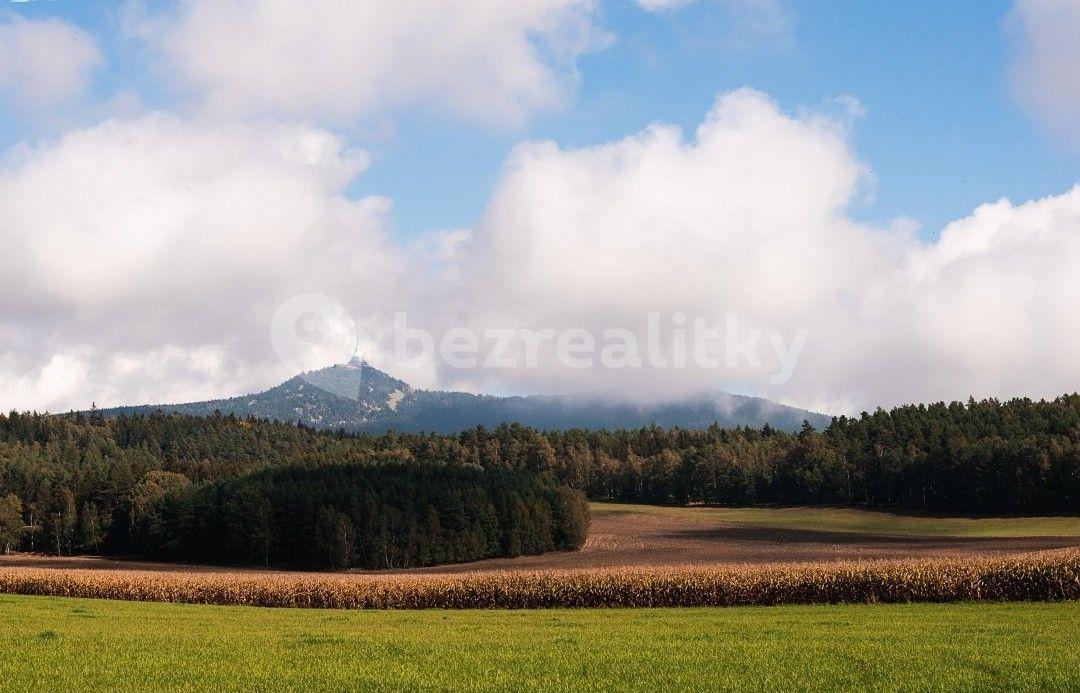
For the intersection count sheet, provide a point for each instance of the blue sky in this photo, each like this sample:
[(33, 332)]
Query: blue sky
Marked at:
[(942, 132)]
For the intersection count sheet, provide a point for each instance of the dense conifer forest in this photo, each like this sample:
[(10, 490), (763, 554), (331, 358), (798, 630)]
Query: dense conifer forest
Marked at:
[(371, 516), (176, 486)]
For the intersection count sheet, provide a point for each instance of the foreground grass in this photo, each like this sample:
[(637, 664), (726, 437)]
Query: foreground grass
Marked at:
[(828, 519), (49, 643)]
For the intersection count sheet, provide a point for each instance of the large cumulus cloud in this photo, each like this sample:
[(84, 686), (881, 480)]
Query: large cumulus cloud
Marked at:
[(143, 259), (750, 216)]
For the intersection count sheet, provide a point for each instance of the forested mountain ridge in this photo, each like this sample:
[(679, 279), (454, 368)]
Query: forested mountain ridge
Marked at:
[(359, 398), (85, 482)]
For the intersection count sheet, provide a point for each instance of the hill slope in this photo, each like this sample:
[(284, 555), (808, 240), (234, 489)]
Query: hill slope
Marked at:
[(358, 397)]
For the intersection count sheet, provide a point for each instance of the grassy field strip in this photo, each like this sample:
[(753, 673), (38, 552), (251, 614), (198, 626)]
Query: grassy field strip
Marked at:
[(1050, 575), (829, 519), (49, 644)]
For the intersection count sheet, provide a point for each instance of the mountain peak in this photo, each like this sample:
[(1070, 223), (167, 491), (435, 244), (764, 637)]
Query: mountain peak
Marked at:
[(356, 380)]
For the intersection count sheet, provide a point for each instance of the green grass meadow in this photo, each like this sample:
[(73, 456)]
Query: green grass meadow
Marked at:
[(70, 644), (831, 519)]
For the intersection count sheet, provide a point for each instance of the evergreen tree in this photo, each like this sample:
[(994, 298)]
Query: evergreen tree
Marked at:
[(11, 522)]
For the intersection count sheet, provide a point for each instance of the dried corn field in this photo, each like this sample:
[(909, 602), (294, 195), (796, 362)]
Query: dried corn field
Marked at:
[(1049, 575)]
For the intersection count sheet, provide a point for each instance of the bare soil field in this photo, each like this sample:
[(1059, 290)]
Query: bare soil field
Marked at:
[(640, 537)]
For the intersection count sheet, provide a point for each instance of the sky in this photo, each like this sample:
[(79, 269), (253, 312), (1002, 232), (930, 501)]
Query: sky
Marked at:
[(895, 181)]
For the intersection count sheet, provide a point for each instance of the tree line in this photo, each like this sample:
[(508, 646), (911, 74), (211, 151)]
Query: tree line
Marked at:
[(79, 482)]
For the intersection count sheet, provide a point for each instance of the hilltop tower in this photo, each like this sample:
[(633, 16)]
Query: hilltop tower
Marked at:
[(357, 361)]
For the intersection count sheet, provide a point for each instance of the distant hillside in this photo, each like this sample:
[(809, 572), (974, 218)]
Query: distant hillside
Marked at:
[(357, 397)]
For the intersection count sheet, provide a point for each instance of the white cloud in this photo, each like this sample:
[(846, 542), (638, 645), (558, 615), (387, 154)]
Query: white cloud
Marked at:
[(749, 217), (987, 310), (147, 256), (44, 62), (612, 221), (745, 217), (344, 58), (1046, 72)]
